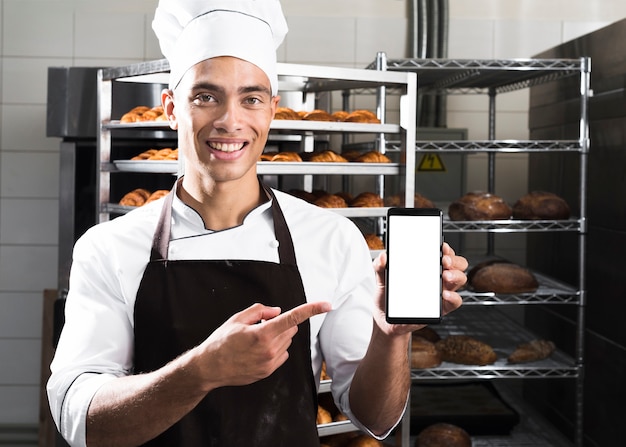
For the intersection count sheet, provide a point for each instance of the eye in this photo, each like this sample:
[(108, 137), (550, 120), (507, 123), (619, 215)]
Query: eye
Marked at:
[(253, 101), (203, 98)]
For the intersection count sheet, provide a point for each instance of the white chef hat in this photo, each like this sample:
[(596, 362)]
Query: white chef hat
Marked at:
[(190, 31)]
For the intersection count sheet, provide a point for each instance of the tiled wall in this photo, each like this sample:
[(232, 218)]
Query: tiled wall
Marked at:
[(36, 34)]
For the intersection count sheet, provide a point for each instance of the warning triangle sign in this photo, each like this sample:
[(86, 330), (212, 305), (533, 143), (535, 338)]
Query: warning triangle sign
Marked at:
[(431, 162)]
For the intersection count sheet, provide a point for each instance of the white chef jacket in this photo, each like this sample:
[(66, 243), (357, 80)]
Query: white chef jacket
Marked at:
[(96, 344)]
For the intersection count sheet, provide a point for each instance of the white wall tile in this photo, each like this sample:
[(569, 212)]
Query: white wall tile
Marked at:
[(28, 268), (471, 39), (20, 404), (21, 316), (29, 221), (575, 29), (95, 35), (320, 40), (380, 34), (522, 39), (29, 175), (24, 128), (20, 361), (37, 28)]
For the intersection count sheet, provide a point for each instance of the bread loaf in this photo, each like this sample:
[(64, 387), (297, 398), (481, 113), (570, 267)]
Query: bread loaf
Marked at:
[(479, 206), (424, 353), (465, 350), (532, 351), (443, 435), (539, 205), (501, 277), (368, 200)]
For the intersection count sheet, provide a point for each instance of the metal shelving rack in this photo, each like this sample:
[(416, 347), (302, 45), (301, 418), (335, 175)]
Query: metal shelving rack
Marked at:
[(491, 77), (307, 80)]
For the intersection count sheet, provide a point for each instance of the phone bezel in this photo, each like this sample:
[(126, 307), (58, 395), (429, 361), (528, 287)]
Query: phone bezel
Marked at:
[(414, 212)]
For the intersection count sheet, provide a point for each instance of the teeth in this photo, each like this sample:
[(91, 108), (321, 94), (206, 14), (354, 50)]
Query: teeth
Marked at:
[(226, 147)]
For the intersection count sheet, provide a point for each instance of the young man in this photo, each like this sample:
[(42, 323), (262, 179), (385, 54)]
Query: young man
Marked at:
[(203, 318)]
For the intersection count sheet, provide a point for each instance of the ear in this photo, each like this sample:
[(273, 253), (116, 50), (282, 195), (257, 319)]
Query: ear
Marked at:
[(167, 100), (274, 104)]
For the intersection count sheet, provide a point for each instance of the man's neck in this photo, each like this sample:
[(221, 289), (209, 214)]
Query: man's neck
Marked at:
[(222, 206)]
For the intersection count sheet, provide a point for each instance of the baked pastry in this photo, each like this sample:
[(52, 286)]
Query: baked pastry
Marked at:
[(398, 200), (267, 156), (156, 195), (327, 157), (340, 115), (164, 154), (537, 205), (330, 201), (372, 157), (136, 197), (145, 154), (532, 351), (443, 434), (367, 200), (287, 156), (323, 416), (351, 155), (424, 353), (318, 115), (361, 116), (500, 276), (465, 350), (374, 242), (285, 113), (479, 206), (363, 441)]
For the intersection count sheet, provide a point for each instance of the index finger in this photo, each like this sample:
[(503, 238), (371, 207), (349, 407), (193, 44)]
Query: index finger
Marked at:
[(298, 315)]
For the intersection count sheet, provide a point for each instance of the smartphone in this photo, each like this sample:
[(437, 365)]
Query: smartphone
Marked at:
[(413, 274)]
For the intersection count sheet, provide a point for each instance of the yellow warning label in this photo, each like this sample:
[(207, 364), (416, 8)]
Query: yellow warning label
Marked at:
[(431, 162)]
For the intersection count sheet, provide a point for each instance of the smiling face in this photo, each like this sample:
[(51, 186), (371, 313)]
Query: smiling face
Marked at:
[(222, 109)]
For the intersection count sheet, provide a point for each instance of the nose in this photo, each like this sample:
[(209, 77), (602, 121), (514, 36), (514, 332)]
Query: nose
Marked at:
[(228, 117)]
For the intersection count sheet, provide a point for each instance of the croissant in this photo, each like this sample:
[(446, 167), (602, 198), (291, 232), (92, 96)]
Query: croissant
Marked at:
[(286, 156), (331, 201), (361, 116), (318, 115), (367, 200), (157, 195), (285, 113), (327, 156), (372, 157), (374, 242), (136, 197)]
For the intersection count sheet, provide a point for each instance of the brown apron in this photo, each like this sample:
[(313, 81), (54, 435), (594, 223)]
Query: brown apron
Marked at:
[(180, 303)]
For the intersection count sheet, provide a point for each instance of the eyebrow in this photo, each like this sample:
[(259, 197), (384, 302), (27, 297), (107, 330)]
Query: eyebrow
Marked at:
[(241, 90)]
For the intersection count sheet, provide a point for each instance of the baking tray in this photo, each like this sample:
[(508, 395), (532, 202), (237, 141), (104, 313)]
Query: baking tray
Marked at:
[(475, 407)]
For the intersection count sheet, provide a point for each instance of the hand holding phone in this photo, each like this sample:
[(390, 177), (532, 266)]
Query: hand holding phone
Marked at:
[(413, 277)]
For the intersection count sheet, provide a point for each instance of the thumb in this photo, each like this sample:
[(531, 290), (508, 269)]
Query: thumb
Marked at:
[(256, 313)]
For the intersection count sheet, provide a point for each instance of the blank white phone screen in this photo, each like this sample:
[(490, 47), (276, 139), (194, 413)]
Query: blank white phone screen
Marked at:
[(414, 276)]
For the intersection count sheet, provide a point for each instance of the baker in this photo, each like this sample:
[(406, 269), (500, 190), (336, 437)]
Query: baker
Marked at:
[(202, 319)]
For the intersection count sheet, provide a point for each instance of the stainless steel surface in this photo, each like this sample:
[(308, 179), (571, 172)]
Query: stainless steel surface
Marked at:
[(71, 102)]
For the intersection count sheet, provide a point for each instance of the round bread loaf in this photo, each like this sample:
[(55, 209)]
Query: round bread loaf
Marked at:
[(424, 354), (443, 435), (479, 206), (501, 277), (538, 205)]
